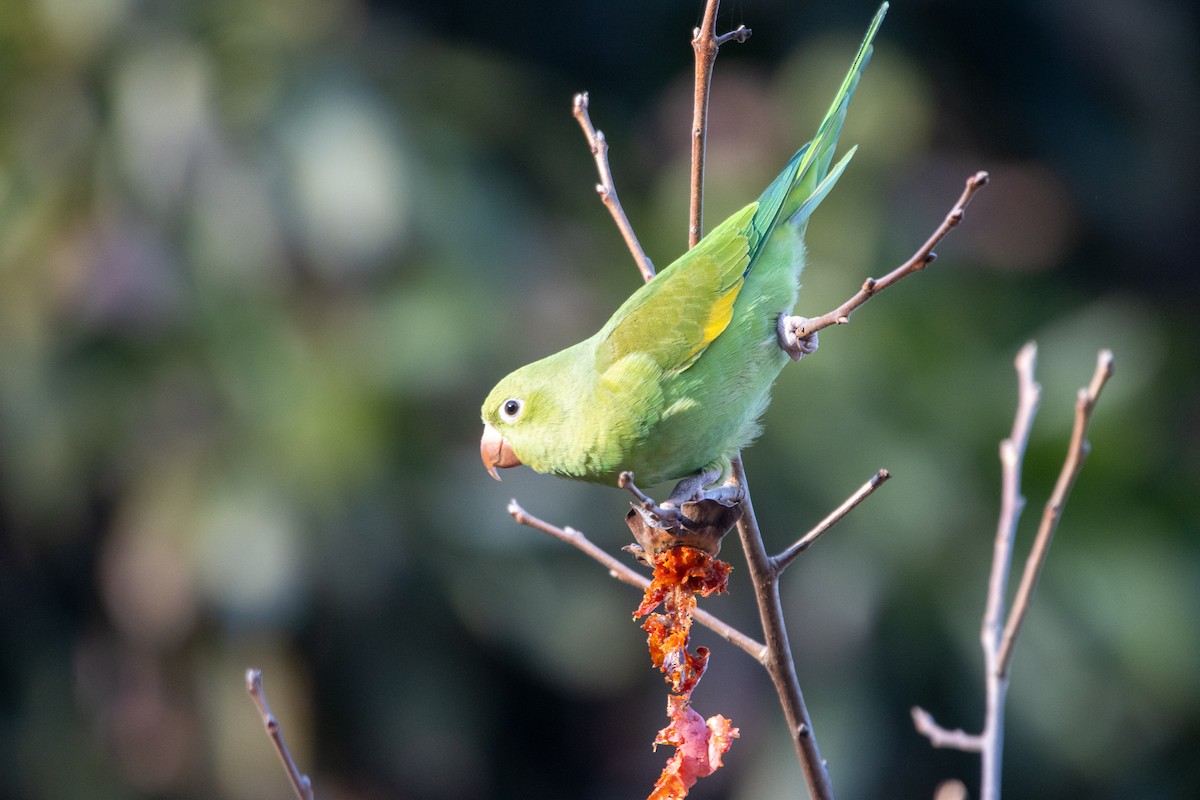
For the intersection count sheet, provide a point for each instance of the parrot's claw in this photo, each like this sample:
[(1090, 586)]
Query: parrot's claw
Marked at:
[(689, 490), (792, 339), (664, 517), (709, 516), (728, 495)]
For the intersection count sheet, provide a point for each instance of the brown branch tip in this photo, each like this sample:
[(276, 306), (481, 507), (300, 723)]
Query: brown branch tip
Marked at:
[(605, 188), (923, 257), (1077, 452), (785, 558), (739, 35), (956, 739), (301, 784)]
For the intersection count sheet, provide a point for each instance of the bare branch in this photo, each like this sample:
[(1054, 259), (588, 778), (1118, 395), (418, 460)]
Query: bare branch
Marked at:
[(624, 573), (607, 191), (779, 663), (1012, 502), (780, 562), (1085, 403), (301, 784), (919, 260), (938, 736), (996, 635), (706, 43)]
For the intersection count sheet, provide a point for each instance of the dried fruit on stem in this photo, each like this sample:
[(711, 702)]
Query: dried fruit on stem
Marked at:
[(701, 744), (681, 573)]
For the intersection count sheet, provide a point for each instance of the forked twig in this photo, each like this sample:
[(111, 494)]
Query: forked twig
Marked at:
[(624, 573), (764, 571), (301, 784), (775, 656), (1085, 404), (764, 575), (998, 635)]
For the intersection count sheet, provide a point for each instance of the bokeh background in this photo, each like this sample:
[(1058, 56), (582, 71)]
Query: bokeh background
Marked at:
[(260, 262)]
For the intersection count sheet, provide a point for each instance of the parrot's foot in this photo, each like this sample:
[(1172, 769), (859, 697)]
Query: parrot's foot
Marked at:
[(690, 489), (668, 515), (789, 332), (691, 516)]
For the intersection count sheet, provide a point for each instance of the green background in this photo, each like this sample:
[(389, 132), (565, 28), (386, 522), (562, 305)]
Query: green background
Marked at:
[(260, 262)]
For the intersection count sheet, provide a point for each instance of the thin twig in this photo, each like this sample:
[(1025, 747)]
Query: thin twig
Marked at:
[(1012, 503), (301, 784), (922, 258), (605, 188), (706, 43), (624, 573), (989, 743), (780, 562), (1085, 403), (739, 35), (938, 736)]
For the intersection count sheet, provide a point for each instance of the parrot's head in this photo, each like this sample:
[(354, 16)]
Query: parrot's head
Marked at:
[(520, 417)]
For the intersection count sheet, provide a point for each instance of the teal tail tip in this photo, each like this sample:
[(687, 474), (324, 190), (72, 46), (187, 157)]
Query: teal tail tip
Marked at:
[(876, 22), (808, 177), (873, 29), (814, 158)]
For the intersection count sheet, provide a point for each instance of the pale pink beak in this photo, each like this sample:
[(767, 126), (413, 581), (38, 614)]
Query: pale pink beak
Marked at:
[(496, 452)]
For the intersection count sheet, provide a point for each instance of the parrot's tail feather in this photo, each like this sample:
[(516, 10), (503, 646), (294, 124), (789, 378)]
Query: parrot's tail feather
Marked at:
[(807, 178), (823, 188)]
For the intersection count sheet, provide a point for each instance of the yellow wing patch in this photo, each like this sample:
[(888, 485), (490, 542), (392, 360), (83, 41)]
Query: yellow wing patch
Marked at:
[(675, 317), (718, 319), (722, 312)]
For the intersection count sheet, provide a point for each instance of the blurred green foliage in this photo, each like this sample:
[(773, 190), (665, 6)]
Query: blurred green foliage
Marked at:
[(259, 262)]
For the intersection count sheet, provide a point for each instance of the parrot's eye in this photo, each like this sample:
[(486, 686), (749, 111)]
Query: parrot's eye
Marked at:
[(510, 409)]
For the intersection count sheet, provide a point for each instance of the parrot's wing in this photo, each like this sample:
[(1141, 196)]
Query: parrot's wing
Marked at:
[(674, 317), (680, 312)]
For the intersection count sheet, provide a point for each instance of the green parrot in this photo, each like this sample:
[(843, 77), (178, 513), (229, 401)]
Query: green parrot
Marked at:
[(673, 385)]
